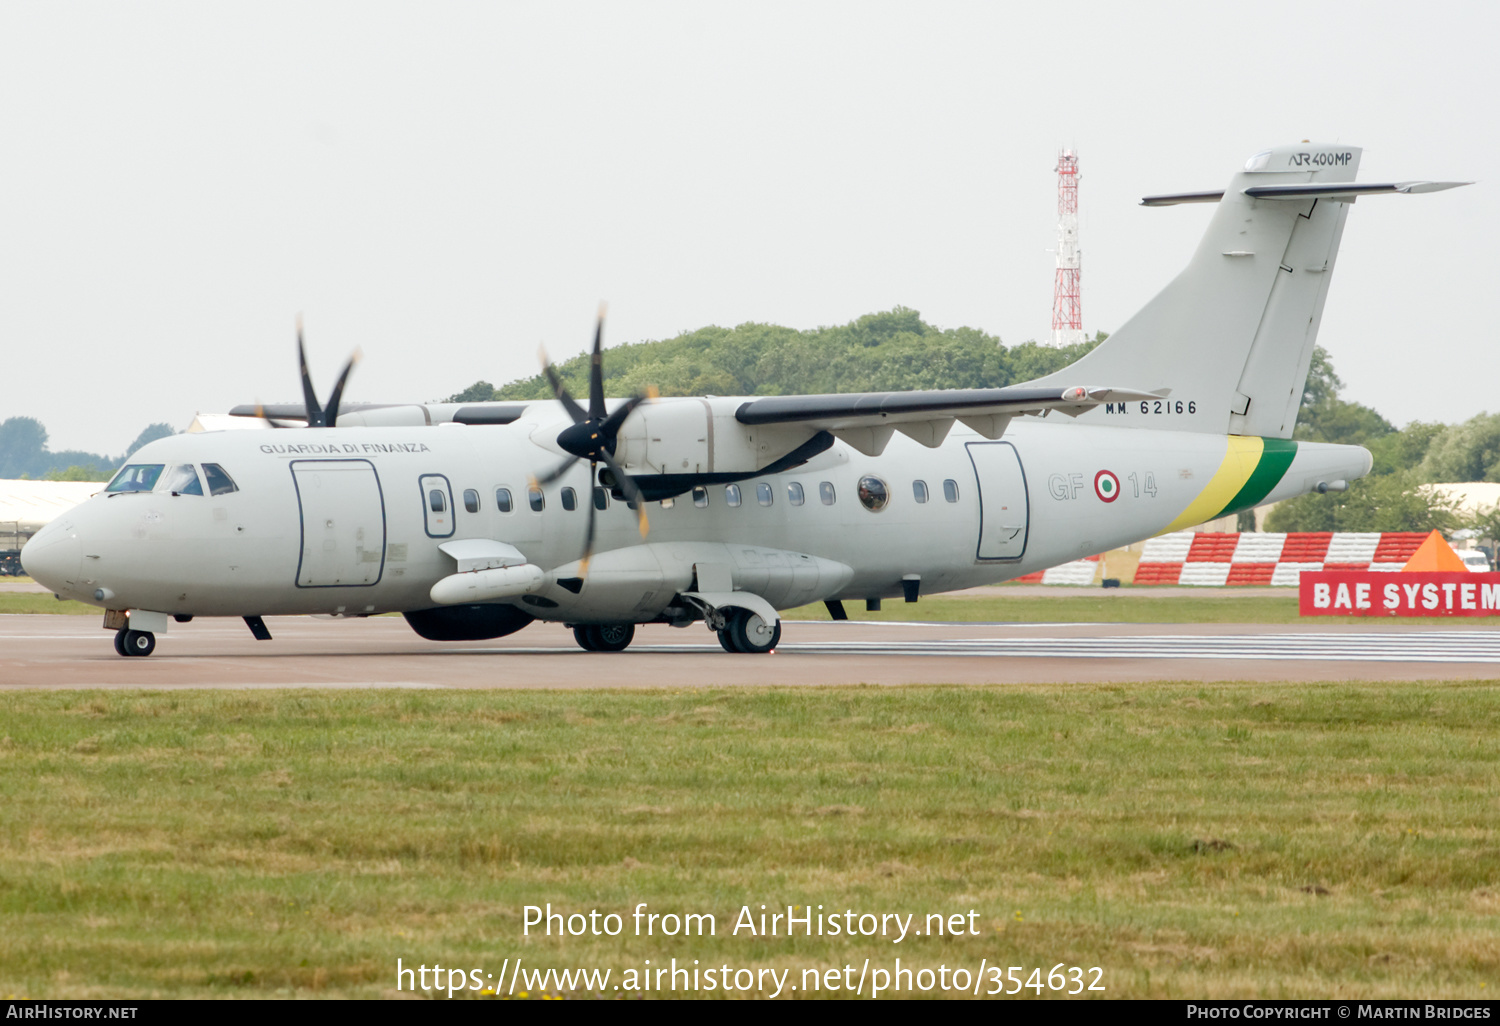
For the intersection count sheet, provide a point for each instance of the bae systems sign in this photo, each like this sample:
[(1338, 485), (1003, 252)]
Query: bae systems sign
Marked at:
[(1411, 593), (1434, 582)]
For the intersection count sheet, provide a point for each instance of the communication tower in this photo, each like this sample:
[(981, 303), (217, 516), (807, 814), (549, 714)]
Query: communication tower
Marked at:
[(1067, 301)]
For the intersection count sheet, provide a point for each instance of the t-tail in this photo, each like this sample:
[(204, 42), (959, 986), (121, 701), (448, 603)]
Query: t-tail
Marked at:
[(1229, 341)]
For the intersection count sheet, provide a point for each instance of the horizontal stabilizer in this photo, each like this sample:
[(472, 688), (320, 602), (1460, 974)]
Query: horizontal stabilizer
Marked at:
[(1348, 191), (1344, 190), (1174, 198)]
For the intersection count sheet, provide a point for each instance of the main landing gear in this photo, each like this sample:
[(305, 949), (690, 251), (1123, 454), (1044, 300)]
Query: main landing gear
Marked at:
[(604, 637), (747, 633), (135, 643)]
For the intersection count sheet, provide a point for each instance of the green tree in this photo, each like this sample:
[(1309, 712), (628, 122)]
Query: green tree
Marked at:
[(479, 392), (1465, 452), (892, 351), (150, 434), (1391, 502), (23, 445), (1404, 449), (1324, 417), (90, 472)]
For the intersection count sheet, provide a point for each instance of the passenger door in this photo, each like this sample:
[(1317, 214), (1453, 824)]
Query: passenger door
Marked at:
[(343, 523), (1004, 515)]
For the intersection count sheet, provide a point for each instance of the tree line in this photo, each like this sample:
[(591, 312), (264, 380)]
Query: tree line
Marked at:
[(24, 453)]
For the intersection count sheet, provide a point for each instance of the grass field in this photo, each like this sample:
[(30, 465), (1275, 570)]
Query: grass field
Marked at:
[(1227, 840)]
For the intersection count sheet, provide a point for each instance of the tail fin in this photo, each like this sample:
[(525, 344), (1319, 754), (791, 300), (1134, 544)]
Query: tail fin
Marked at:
[(1232, 335)]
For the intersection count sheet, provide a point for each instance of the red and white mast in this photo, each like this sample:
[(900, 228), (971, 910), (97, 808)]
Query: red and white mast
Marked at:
[(1067, 301)]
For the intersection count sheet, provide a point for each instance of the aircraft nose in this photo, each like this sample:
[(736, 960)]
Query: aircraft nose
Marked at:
[(53, 556)]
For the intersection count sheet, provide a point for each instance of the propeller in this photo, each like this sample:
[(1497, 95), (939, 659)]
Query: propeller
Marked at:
[(317, 416), (592, 437), (321, 416)]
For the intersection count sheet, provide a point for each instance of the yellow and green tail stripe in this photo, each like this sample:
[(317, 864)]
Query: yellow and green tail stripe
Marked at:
[(1252, 466)]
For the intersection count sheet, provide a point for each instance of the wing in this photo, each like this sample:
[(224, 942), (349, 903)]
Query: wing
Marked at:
[(866, 420)]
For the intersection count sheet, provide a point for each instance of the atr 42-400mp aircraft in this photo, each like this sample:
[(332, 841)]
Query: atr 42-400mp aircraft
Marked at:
[(461, 517)]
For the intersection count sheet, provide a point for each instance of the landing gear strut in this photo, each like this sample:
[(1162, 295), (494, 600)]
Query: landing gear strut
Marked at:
[(604, 637), (134, 643), (748, 633)]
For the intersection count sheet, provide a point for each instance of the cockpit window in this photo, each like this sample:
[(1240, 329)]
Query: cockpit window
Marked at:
[(219, 483), (135, 477), (181, 480)]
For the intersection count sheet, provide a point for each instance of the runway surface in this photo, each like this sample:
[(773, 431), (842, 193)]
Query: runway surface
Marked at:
[(74, 652)]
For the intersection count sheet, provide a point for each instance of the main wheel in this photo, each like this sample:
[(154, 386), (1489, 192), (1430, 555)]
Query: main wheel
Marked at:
[(751, 634), (584, 635), (726, 639), (613, 637), (120, 648), (139, 643)]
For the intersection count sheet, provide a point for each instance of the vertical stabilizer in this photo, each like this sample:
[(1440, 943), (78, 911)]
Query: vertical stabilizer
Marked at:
[(1232, 335)]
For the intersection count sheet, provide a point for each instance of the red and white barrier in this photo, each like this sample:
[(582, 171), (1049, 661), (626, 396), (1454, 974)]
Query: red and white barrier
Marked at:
[(1218, 558)]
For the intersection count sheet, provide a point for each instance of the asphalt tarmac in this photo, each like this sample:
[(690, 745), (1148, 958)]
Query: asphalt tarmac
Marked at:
[(46, 651)]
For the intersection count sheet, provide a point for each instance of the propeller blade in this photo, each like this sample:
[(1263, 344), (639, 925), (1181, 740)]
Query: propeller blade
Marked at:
[(331, 411), (596, 372), (556, 473), (629, 490), (574, 410), (612, 424), (309, 397), (588, 542)]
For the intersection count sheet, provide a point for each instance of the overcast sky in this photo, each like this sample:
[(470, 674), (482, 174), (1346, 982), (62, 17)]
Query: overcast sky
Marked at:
[(448, 185)]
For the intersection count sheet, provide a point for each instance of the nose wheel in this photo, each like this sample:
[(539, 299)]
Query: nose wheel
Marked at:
[(135, 643)]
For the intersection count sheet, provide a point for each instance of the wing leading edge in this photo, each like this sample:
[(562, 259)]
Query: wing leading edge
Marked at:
[(867, 420)]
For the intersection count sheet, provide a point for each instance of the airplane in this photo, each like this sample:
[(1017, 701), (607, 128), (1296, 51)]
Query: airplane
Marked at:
[(475, 520)]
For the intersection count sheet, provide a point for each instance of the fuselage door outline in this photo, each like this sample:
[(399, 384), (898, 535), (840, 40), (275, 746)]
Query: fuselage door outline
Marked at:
[(437, 491), (1003, 498), (358, 476)]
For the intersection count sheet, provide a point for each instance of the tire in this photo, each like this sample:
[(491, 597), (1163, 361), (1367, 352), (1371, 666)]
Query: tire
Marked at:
[(120, 648), (726, 639), (139, 643), (612, 637), (751, 634), (585, 637)]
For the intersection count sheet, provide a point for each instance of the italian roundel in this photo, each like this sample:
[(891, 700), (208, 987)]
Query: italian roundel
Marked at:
[(1106, 486)]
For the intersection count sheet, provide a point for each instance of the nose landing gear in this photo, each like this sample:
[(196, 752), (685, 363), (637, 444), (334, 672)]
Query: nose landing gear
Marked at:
[(135, 643)]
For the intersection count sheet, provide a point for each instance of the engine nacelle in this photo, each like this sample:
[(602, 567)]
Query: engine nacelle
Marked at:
[(701, 436)]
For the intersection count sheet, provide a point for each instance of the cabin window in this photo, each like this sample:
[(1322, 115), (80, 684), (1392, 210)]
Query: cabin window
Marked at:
[(827, 494), (537, 499), (601, 497), (700, 497), (873, 494), (763, 494), (569, 499), (919, 490), (181, 480), (794, 493), (732, 494), (471, 500), (950, 490), (219, 483), (137, 477), (436, 500), (503, 501)]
